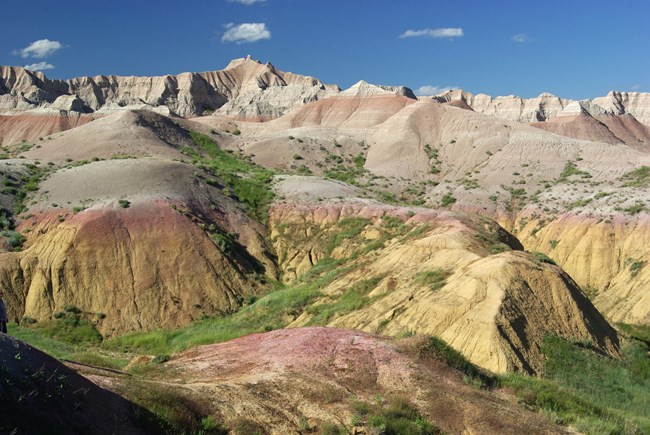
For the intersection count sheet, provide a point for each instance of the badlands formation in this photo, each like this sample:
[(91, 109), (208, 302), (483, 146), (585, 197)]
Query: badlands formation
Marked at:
[(141, 203)]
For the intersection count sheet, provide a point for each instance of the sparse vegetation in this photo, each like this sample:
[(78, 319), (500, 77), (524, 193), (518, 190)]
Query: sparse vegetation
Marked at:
[(447, 200), (543, 258), (434, 279), (251, 183), (639, 177), (570, 169), (395, 416)]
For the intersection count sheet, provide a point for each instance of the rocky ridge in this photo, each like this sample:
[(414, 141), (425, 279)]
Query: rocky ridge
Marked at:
[(490, 301), (186, 94)]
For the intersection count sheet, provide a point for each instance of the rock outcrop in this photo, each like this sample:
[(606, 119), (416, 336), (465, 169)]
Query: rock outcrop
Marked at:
[(607, 257), (547, 106), (249, 87), (44, 396), (494, 308), (588, 121)]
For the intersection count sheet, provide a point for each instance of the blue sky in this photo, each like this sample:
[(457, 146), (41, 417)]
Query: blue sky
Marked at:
[(572, 48)]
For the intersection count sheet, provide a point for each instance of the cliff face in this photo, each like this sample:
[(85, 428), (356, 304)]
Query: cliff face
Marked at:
[(241, 84), (608, 258), (547, 106)]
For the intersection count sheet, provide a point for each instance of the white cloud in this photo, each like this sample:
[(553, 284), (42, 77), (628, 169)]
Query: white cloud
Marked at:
[(635, 87), (40, 66), (521, 37), (428, 90), (39, 49), (446, 32), (245, 32), (247, 2)]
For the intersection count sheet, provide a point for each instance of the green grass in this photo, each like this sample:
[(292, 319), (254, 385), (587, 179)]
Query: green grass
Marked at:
[(639, 177), (348, 228), (434, 279), (250, 182), (354, 298), (395, 416), (35, 337), (593, 393), (639, 332), (267, 313), (570, 169)]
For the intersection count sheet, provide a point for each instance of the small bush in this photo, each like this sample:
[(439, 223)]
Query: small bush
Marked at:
[(447, 200), (160, 359), (124, 203), (543, 258), (436, 348)]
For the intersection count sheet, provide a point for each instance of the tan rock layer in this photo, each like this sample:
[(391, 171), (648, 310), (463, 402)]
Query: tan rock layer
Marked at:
[(547, 106), (607, 257), (144, 267), (495, 309)]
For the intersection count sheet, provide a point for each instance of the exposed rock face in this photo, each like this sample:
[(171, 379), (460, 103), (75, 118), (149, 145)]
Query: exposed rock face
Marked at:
[(33, 381), (247, 85), (588, 121), (30, 128), (547, 106), (634, 103), (509, 107), (607, 258), (286, 379), (495, 309), (148, 262)]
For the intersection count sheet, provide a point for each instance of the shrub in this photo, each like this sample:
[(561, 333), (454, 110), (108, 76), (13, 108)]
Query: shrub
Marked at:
[(124, 203), (543, 258), (436, 348), (447, 200), (14, 239), (160, 359)]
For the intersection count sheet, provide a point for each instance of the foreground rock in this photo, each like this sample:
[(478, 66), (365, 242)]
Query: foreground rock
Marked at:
[(41, 395)]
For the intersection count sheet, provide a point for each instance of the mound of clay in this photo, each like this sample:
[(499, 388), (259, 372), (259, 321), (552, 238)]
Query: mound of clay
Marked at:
[(137, 241), (36, 128), (126, 134), (286, 379)]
